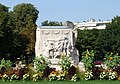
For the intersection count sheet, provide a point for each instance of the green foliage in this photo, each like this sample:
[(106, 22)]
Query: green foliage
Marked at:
[(108, 40), (80, 74), (26, 77), (101, 40), (111, 60), (74, 78), (115, 24), (14, 77), (35, 77), (17, 30), (51, 23), (103, 75), (88, 75), (86, 40), (65, 63), (110, 75), (25, 16), (61, 76), (52, 76), (5, 77), (5, 33), (5, 63), (88, 59), (41, 63)]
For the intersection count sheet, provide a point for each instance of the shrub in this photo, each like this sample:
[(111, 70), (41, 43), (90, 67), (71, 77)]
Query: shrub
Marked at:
[(111, 60), (5, 77), (108, 74), (5, 63), (41, 63), (47, 72), (61, 76), (74, 78), (35, 77), (88, 75), (14, 77), (80, 74), (117, 69), (96, 72), (53, 76), (103, 75), (71, 72), (112, 75), (88, 59), (65, 63), (26, 77)]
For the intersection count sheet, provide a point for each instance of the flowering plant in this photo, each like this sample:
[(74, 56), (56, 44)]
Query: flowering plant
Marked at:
[(5, 63), (103, 75), (88, 58), (53, 76), (26, 77), (88, 75), (35, 77), (119, 77), (41, 63), (65, 63), (14, 77), (74, 78), (61, 76), (111, 60), (5, 77), (112, 75)]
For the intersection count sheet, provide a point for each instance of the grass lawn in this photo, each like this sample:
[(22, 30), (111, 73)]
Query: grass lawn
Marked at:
[(63, 82)]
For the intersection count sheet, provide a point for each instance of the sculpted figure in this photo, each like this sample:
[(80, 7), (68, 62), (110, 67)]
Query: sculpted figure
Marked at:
[(45, 49), (54, 48), (58, 49)]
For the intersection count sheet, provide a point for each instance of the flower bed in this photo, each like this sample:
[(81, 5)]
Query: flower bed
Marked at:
[(42, 71)]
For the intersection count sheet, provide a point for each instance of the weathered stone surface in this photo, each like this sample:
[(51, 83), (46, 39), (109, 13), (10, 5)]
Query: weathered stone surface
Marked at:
[(52, 41)]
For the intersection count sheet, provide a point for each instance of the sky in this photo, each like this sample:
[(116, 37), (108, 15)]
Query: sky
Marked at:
[(71, 10)]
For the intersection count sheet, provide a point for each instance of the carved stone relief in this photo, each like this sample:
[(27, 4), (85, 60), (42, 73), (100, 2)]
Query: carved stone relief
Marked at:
[(55, 32), (54, 48), (45, 32), (66, 32)]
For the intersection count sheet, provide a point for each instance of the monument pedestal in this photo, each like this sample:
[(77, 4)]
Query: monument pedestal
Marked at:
[(55, 64), (52, 41)]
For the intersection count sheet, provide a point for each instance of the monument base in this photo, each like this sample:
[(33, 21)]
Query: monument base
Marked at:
[(55, 64)]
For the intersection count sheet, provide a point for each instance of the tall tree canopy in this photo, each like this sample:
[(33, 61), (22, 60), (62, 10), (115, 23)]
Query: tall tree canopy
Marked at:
[(113, 34), (86, 40), (6, 32), (4, 15), (107, 40), (115, 24), (25, 16)]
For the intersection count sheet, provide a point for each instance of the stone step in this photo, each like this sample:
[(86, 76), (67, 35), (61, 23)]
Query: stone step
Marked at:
[(57, 67), (54, 61)]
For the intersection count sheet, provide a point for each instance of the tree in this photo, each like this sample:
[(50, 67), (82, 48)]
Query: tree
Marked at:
[(86, 40), (115, 23), (51, 23), (3, 19), (6, 32), (25, 16), (109, 39)]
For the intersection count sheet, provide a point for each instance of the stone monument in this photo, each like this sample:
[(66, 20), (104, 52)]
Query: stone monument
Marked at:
[(52, 41)]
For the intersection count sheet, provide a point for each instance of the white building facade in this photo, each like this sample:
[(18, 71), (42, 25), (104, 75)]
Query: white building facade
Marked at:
[(91, 24)]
